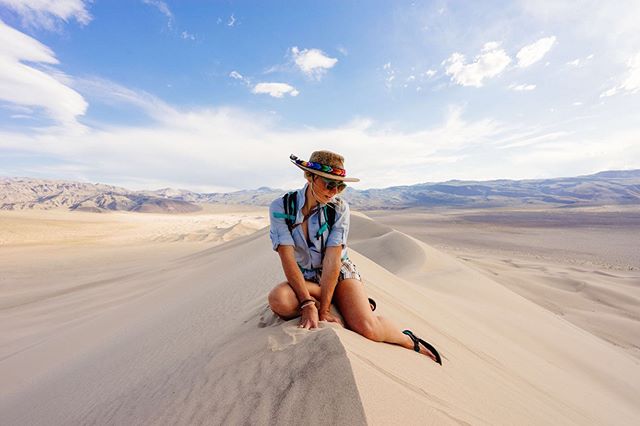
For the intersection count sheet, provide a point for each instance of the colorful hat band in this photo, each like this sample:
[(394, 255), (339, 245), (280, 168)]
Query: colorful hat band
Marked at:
[(320, 167)]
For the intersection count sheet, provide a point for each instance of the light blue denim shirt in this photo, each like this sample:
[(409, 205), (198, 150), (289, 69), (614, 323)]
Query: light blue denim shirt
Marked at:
[(309, 257)]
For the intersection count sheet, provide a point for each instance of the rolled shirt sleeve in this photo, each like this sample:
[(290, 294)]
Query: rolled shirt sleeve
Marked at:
[(340, 230), (278, 229)]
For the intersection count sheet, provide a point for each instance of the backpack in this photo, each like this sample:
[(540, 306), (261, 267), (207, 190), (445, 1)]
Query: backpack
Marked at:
[(290, 202)]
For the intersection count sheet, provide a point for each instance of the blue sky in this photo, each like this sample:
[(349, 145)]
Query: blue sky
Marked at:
[(215, 95)]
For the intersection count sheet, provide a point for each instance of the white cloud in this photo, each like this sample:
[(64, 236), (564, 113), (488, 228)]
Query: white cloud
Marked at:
[(112, 93), (390, 75), (184, 148), (609, 92), (522, 87), (580, 62), (430, 73), (28, 86), (614, 22), (237, 76), (631, 80), (488, 64), (313, 62), (163, 8), (578, 155), (232, 21), (277, 90), (529, 139), (343, 50), (577, 103), (46, 13), (533, 52), (187, 35)]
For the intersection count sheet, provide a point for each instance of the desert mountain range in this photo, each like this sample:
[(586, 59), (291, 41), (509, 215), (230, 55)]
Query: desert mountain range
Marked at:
[(604, 188)]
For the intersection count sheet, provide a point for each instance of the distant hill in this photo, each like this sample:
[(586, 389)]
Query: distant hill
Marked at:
[(25, 193), (604, 188)]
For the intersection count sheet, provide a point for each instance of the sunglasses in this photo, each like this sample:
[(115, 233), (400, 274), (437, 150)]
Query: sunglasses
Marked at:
[(331, 184)]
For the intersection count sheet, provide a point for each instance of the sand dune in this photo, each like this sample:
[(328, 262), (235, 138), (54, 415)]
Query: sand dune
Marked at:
[(193, 343), (582, 264)]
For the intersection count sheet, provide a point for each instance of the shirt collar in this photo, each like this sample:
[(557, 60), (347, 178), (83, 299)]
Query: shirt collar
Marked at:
[(301, 199)]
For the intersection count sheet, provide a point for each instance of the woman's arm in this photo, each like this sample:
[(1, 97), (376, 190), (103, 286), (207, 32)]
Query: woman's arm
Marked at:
[(329, 279), (292, 272), (296, 282)]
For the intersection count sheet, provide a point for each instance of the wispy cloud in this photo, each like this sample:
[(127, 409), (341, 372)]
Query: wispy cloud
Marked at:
[(390, 75), (163, 8), (232, 21), (237, 76), (533, 52), (430, 73), (615, 23), (522, 87), (313, 62), (47, 13), (488, 64), (580, 62), (630, 81), (28, 86), (276, 90), (187, 35), (112, 93)]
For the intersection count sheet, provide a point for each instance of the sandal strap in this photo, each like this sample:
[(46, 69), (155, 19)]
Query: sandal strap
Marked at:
[(416, 343)]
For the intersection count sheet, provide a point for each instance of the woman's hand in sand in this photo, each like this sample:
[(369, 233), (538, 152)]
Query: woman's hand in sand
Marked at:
[(309, 318), (329, 317)]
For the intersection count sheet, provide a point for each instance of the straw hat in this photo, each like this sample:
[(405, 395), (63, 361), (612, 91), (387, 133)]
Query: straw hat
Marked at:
[(326, 164)]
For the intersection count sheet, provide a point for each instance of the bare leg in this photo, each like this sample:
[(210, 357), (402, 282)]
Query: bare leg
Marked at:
[(353, 304), (283, 301)]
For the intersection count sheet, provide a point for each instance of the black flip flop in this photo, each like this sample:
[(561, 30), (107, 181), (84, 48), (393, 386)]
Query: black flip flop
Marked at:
[(372, 303), (416, 345)]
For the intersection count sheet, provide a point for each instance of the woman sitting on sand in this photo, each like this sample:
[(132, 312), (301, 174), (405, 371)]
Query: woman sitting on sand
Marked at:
[(309, 229)]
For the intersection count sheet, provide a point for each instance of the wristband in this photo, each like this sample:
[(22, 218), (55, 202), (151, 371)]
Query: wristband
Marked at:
[(304, 302), (307, 303)]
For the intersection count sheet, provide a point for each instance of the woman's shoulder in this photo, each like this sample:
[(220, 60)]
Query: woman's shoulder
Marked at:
[(340, 205), (277, 204)]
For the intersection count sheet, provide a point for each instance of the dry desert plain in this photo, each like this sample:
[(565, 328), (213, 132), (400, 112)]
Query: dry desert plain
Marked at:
[(131, 318)]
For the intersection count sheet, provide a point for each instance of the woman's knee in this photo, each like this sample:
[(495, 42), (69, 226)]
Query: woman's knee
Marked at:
[(367, 327), (282, 300)]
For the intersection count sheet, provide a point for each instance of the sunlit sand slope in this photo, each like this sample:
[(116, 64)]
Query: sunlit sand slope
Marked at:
[(201, 347)]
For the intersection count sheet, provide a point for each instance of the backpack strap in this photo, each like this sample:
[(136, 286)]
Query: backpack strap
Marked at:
[(331, 214), (290, 202)]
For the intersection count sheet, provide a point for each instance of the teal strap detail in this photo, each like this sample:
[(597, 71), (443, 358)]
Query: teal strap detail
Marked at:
[(279, 215), (322, 229), (325, 225)]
